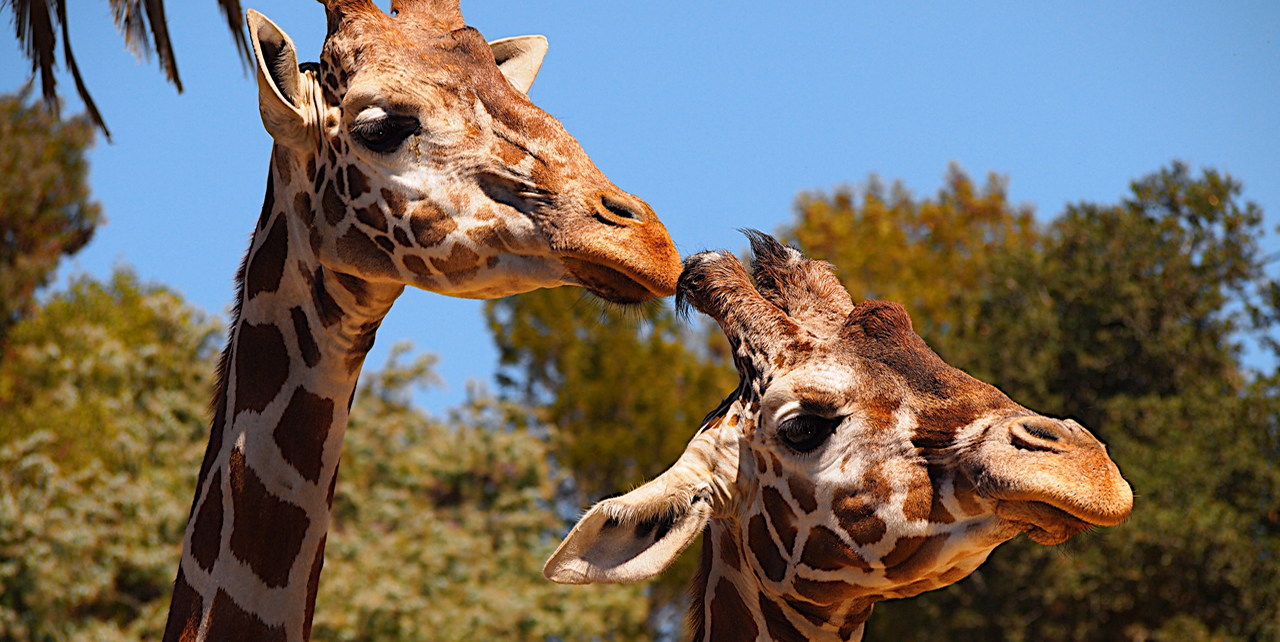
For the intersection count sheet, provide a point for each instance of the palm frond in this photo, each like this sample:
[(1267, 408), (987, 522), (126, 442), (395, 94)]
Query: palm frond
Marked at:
[(235, 22), (34, 29), (164, 48), (34, 25), (74, 68)]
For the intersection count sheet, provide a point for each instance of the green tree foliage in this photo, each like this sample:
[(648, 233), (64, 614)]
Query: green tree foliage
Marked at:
[(102, 425), (45, 211), (625, 388), (1127, 317), (924, 254), (440, 529)]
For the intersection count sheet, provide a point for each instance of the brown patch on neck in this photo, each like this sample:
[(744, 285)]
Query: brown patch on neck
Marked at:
[(302, 432), (313, 587), (764, 549), (185, 610), (206, 534), (268, 202), (696, 618), (266, 531), (307, 346), (729, 554), (262, 366), (731, 620), (266, 268), (228, 621), (776, 623)]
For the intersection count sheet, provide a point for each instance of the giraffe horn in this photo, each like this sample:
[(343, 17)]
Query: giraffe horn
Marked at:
[(717, 284), (349, 7), (340, 12), (441, 14), (807, 290)]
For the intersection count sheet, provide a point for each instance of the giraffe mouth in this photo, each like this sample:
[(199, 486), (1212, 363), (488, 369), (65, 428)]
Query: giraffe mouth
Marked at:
[(1043, 523), (611, 284)]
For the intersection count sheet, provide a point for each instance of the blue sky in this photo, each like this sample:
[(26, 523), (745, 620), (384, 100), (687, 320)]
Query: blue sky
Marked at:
[(718, 114)]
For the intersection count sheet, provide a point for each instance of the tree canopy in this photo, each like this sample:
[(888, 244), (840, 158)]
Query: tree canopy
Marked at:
[(439, 528), (45, 209)]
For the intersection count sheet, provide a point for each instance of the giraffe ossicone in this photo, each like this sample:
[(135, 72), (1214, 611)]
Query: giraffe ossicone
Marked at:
[(851, 465), (409, 155)]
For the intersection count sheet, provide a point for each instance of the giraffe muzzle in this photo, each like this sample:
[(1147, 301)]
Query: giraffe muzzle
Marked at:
[(622, 253), (1054, 476)]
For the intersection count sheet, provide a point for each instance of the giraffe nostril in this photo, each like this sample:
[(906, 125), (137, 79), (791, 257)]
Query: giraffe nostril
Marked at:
[(617, 211), (1038, 433)]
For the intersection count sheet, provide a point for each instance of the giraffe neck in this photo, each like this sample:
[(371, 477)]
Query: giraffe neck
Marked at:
[(730, 603), (254, 544)]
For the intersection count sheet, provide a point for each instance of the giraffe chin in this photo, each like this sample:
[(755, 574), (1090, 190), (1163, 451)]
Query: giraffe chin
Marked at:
[(608, 283), (1044, 524)]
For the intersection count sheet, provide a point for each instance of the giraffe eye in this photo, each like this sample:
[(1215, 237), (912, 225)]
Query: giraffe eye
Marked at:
[(385, 133), (804, 433)]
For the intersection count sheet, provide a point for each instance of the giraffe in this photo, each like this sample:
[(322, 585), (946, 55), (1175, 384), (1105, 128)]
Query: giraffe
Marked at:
[(851, 465), (409, 155)]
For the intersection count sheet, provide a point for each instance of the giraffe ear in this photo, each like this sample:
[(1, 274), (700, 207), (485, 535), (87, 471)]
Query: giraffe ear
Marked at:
[(282, 95), (519, 59), (637, 535)]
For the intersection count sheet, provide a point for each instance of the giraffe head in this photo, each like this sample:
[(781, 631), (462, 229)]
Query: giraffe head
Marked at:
[(412, 156), (850, 466)]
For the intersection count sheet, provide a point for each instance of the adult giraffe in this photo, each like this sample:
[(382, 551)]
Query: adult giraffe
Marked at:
[(408, 155), (850, 466)]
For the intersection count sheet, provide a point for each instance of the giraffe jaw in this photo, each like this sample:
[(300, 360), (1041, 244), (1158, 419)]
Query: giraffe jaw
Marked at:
[(607, 282), (1043, 523)]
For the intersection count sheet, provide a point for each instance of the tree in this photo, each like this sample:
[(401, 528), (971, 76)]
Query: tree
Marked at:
[(102, 420), (451, 523), (45, 210), (926, 255), (625, 388), (439, 528), (1128, 317), (37, 23)]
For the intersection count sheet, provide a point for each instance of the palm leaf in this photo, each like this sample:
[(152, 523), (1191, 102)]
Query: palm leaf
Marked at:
[(34, 26), (94, 114)]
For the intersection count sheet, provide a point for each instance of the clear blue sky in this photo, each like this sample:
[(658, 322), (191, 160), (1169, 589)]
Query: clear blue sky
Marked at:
[(718, 114)]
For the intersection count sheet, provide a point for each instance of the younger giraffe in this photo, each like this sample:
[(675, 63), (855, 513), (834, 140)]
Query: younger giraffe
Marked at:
[(408, 155), (850, 466)]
